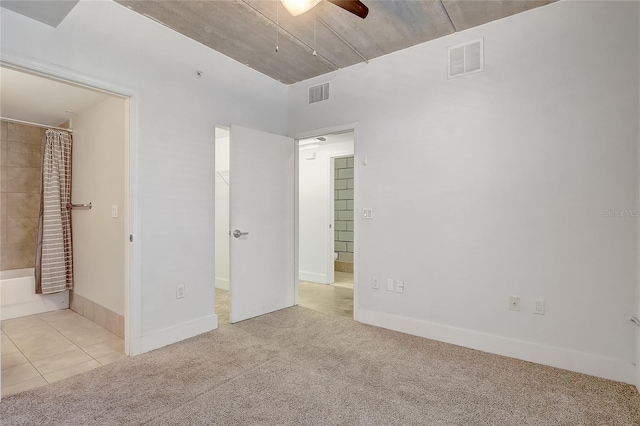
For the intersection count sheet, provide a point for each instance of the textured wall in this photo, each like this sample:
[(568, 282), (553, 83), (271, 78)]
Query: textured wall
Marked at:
[(343, 206), (20, 167)]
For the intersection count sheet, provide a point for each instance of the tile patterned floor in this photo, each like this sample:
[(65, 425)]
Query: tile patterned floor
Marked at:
[(333, 299), (44, 348)]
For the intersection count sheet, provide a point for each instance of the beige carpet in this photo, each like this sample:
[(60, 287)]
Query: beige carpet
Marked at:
[(298, 366)]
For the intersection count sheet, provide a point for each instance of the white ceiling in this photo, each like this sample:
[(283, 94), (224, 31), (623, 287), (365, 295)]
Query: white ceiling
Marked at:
[(40, 100)]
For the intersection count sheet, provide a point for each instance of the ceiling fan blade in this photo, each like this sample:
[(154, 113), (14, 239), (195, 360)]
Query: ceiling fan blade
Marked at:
[(354, 6)]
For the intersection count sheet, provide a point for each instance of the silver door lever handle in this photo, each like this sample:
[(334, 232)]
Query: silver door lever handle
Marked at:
[(237, 233)]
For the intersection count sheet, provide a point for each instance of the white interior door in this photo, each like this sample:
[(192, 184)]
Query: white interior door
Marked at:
[(262, 222)]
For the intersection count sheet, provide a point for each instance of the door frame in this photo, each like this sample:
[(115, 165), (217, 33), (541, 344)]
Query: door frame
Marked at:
[(132, 274), (342, 128)]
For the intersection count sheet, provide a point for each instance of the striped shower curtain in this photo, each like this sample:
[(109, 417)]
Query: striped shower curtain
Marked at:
[(54, 250)]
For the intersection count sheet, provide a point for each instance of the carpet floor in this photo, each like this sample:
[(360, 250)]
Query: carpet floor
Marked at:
[(297, 366)]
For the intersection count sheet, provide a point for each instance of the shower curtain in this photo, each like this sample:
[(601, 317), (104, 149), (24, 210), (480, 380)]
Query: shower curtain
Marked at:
[(54, 250)]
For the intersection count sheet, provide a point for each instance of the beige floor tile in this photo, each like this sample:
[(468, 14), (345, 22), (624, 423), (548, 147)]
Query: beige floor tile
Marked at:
[(71, 371), (330, 299), (61, 361), (36, 382), (13, 359), (89, 336), (61, 314), (105, 348), (71, 321), (343, 279), (20, 373), (21, 324), (26, 342), (38, 352), (8, 346), (108, 359)]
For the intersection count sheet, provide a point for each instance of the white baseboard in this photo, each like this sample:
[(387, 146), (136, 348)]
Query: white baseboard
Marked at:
[(222, 283), (580, 362), (312, 277), (169, 335)]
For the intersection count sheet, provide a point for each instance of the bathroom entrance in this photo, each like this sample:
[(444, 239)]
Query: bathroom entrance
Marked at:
[(326, 223), (73, 325)]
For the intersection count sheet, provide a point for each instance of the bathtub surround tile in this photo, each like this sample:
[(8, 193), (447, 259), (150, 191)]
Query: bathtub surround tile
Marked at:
[(20, 204), (21, 229), (3, 179), (20, 373), (61, 361), (18, 255), (23, 179), (23, 386), (71, 371), (20, 154), (22, 133), (13, 359), (4, 144)]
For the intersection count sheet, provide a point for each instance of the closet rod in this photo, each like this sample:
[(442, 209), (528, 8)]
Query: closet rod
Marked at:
[(28, 123)]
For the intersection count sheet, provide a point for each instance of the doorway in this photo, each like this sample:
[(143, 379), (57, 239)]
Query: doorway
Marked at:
[(83, 328), (326, 223)]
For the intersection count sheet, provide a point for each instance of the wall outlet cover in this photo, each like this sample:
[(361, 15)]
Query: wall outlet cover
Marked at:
[(514, 303), (390, 285), (538, 306)]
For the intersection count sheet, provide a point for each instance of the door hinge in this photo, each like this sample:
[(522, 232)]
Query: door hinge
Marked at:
[(130, 238)]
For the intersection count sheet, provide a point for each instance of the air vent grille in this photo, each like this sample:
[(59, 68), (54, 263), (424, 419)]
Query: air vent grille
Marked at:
[(466, 58), (318, 93)]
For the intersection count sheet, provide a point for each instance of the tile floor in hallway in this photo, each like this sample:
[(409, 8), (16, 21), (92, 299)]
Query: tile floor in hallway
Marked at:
[(333, 299), (44, 348)]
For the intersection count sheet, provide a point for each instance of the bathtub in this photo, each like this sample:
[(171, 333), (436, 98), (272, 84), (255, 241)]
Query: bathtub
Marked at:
[(18, 297)]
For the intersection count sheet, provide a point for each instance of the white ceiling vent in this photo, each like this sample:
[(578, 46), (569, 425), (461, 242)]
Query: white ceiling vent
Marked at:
[(318, 93), (466, 58)]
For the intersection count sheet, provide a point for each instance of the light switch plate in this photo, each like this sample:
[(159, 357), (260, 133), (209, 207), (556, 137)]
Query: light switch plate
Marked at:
[(367, 213)]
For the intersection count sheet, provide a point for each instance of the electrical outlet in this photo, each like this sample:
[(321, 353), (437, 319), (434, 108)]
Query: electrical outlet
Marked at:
[(390, 285), (114, 211), (399, 286), (514, 303), (180, 291), (538, 306), (374, 284)]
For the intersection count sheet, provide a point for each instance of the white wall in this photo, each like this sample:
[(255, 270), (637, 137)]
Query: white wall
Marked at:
[(314, 220), (99, 151), (174, 149), (222, 209), (507, 176)]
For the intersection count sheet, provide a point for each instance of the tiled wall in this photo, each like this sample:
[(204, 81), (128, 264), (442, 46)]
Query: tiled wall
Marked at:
[(343, 220), (20, 177), (102, 316)]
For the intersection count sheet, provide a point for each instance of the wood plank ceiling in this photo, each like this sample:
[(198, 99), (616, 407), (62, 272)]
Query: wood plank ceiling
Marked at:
[(246, 31)]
